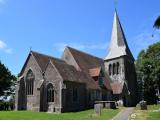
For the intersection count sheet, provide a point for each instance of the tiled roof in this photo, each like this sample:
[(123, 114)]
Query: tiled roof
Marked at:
[(68, 72), (94, 72), (107, 82), (117, 87), (90, 65), (43, 59), (86, 61)]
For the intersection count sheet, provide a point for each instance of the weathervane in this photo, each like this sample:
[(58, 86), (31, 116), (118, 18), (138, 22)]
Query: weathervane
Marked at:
[(115, 4)]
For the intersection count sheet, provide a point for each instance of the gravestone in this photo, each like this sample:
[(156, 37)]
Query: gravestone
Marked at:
[(113, 105), (98, 108), (107, 105), (143, 105)]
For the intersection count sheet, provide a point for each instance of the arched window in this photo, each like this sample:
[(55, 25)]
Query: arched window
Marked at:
[(118, 67), (110, 69), (114, 68), (29, 82), (50, 93)]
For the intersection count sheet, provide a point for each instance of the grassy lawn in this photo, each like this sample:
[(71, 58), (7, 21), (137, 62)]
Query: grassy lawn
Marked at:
[(107, 114), (153, 113)]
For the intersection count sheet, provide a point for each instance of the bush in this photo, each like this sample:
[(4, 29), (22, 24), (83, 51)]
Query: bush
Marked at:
[(6, 105)]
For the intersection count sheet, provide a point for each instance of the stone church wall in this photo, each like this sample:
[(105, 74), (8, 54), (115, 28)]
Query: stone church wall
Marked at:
[(53, 77), (130, 75), (69, 104), (32, 101)]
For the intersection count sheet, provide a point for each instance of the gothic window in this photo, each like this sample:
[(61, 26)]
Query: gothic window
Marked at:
[(29, 82), (118, 67), (50, 93), (114, 68), (75, 94), (110, 69)]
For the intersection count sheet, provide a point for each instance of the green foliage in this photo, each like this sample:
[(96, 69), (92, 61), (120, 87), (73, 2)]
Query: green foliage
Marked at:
[(148, 68), (107, 114), (6, 105), (6, 79)]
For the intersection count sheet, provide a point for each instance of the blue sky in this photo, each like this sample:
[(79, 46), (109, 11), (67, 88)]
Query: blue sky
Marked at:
[(48, 25)]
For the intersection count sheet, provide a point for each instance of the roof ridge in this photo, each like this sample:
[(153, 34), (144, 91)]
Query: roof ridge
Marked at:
[(83, 52), (49, 56)]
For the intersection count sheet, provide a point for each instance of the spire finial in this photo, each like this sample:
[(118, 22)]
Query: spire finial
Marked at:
[(30, 48), (115, 5)]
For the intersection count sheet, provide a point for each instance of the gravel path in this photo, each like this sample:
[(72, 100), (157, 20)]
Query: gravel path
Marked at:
[(124, 114)]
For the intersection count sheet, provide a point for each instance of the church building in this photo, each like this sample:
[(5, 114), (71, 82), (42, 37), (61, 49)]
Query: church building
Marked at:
[(76, 80)]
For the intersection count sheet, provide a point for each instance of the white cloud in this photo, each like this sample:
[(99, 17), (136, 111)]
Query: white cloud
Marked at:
[(60, 46), (4, 47)]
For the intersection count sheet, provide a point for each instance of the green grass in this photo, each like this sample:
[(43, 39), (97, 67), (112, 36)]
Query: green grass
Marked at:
[(154, 115), (149, 114), (107, 114)]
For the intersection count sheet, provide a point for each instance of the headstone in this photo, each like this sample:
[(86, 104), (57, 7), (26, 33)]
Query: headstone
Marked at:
[(98, 108), (113, 105), (143, 105), (107, 105), (120, 103)]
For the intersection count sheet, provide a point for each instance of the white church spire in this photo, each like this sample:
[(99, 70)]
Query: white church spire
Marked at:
[(118, 46)]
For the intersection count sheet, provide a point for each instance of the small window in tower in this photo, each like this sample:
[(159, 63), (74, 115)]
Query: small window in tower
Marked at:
[(110, 69), (114, 68), (118, 67)]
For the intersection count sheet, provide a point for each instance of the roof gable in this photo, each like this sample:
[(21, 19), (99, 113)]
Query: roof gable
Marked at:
[(69, 59), (43, 59), (28, 57)]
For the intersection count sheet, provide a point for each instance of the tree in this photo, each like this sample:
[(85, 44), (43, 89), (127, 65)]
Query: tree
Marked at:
[(157, 23), (6, 79), (148, 69)]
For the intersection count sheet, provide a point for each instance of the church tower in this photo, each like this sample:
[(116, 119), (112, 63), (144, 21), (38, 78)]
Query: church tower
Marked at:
[(119, 63)]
